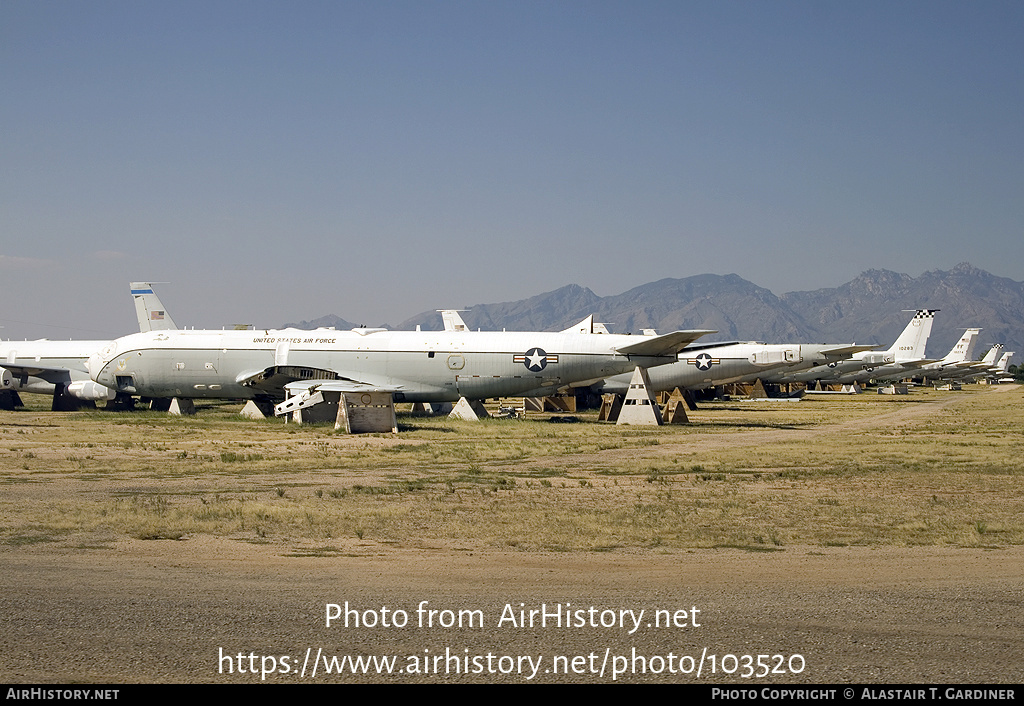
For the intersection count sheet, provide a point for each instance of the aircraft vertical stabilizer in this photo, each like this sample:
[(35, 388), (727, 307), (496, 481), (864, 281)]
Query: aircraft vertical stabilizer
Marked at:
[(150, 312), (911, 343), (964, 348), (452, 320)]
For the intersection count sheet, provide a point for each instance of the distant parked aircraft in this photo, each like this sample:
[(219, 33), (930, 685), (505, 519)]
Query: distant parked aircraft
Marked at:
[(905, 354), (60, 369)]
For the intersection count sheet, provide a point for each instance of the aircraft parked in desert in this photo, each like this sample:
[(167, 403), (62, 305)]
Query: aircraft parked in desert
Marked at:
[(710, 366), (958, 358), (415, 366), (59, 368), (905, 354)]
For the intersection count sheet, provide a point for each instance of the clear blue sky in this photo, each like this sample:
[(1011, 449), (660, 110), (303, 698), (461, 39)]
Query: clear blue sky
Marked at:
[(277, 161)]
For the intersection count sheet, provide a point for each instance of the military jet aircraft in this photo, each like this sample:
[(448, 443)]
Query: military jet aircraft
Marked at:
[(704, 365), (907, 351), (707, 366), (415, 366), (1001, 374), (699, 365), (59, 368), (987, 366), (958, 358)]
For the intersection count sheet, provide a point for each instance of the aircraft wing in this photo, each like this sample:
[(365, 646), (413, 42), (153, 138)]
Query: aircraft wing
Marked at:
[(913, 364), (338, 386), (667, 344), (711, 344), (50, 375), (278, 378), (847, 350)]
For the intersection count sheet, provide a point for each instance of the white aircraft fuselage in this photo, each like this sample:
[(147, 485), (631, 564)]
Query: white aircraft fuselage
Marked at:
[(45, 367), (427, 366), (708, 367), (860, 362), (38, 367), (811, 355), (909, 347)]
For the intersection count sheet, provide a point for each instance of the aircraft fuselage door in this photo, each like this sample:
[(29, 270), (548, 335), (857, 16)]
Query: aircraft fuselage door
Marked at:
[(456, 361), (281, 353)]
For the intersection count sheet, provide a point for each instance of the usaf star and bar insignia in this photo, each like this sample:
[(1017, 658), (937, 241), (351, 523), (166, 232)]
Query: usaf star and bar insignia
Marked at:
[(703, 361), (535, 359)]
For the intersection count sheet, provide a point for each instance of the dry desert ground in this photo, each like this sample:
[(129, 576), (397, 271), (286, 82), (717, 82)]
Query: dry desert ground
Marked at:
[(867, 539)]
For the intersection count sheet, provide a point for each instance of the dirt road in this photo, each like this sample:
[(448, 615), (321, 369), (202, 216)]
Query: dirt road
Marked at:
[(185, 611)]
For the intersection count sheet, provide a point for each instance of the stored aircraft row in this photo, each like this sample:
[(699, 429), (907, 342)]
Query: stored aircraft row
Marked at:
[(420, 366)]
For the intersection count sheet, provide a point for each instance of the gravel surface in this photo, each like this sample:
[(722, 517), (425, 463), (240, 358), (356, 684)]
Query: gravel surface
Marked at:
[(163, 611)]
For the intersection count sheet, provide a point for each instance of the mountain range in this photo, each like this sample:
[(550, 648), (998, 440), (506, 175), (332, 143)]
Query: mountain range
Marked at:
[(868, 309)]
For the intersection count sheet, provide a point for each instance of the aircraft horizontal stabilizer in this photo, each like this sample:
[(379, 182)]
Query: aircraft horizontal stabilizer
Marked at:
[(913, 364), (667, 344)]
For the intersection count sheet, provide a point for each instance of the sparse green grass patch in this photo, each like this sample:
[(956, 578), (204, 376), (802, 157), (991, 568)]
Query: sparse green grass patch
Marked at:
[(838, 472)]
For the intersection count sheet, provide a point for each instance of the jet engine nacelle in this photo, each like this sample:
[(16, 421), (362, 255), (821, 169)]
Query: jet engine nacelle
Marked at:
[(775, 355), (7, 381), (89, 390), (872, 359)]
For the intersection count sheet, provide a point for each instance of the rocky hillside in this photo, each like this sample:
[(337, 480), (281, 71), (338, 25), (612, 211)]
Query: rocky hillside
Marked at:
[(867, 309)]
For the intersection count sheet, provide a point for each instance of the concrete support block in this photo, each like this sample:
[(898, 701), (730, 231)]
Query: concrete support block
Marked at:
[(252, 411)]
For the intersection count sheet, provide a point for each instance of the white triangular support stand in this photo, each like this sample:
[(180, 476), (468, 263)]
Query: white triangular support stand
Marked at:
[(252, 411), (640, 407), (182, 407), (470, 411)]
